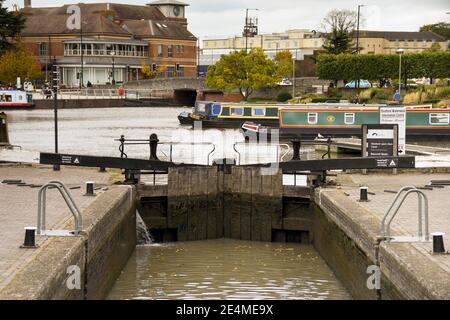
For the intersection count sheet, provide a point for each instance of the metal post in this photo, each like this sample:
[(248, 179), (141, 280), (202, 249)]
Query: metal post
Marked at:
[(296, 144), (153, 147), (357, 29), (438, 242), (246, 30), (82, 55), (363, 194), (30, 238), (293, 77), (56, 167), (400, 77), (113, 70)]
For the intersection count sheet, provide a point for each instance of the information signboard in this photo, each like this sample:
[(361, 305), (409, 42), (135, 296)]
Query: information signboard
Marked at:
[(380, 140), (396, 115)]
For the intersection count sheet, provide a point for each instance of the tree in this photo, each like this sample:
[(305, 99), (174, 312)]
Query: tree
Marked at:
[(147, 71), (11, 25), (339, 26), (283, 60), (382, 66), (18, 63), (441, 28), (243, 71)]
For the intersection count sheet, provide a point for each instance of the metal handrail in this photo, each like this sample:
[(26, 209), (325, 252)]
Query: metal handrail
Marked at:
[(261, 144), (395, 207), (42, 206)]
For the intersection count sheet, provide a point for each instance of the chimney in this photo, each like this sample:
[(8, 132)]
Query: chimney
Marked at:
[(27, 4)]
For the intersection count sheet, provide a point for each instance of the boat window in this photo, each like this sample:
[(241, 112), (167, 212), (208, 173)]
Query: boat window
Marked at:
[(271, 112), (248, 112), (237, 111), (439, 118), (225, 111), (259, 112), (312, 118), (349, 118), (5, 98), (216, 109)]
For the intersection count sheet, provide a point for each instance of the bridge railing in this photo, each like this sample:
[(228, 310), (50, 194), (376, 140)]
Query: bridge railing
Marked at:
[(103, 94)]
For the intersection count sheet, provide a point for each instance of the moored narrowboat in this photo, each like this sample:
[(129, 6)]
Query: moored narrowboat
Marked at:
[(15, 99), (421, 121), (234, 115)]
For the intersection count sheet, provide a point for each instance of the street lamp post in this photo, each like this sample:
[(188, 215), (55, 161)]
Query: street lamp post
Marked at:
[(113, 54), (293, 76), (81, 55), (400, 52), (357, 28)]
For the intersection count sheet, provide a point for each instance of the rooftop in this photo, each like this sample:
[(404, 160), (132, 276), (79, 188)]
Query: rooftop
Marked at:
[(127, 21)]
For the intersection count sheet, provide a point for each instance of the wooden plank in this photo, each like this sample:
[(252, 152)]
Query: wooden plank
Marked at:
[(203, 204), (212, 205), (277, 203), (227, 202), (172, 198), (236, 204), (220, 205), (193, 205), (256, 205), (267, 208), (246, 204), (184, 177)]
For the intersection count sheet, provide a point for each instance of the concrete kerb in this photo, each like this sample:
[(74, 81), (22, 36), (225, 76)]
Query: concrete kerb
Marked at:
[(44, 275), (412, 272)]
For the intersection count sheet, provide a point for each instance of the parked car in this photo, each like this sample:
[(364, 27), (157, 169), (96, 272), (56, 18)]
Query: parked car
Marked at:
[(364, 84), (285, 82)]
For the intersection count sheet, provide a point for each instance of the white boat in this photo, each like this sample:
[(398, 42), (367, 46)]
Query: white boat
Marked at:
[(15, 99)]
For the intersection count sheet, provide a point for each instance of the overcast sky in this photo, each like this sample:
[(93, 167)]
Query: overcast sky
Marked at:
[(217, 18)]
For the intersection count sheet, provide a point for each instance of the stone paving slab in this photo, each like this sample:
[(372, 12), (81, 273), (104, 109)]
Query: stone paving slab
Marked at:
[(407, 218), (18, 208)]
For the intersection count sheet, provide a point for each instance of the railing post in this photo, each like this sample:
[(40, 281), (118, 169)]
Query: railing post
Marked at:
[(153, 146), (296, 145)]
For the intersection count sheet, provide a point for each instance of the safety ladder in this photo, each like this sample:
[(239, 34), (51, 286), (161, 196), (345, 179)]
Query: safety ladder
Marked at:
[(423, 232), (42, 211)]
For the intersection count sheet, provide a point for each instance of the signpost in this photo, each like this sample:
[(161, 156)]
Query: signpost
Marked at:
[(396, 115), (380, 140)]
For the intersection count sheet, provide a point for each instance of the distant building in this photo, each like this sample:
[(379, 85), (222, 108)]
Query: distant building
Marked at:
[(390, 41), (113, 36), (300, 42)]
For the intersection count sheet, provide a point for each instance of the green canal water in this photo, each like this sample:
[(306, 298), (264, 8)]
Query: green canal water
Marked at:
[(227, 269)]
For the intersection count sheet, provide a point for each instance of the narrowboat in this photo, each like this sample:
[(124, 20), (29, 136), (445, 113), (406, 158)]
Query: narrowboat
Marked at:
[(15, 99), (234, 115), (421, 121)]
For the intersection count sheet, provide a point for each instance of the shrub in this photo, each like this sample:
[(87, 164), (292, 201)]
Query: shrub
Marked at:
[(284, 96), (412, 97), (442, 93), (323, 100)]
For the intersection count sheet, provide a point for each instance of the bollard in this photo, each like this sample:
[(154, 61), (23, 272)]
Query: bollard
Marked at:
[(102, 169), (90, 189), (153, 147), (30, 238), (438, 242), (296, 147), (363, 194)]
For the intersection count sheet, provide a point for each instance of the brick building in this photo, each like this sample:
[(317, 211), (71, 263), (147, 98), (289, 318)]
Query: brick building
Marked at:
[(114, 42)]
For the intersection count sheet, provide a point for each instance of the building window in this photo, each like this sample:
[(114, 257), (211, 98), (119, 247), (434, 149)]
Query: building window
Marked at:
[(180, 48), (170, 51), (349, 118), (439, 118), (160, 50), (312, 118), (42, 49), (170, 72)]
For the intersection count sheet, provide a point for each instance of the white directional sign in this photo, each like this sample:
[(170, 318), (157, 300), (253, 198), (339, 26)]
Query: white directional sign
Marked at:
[(396, 115)]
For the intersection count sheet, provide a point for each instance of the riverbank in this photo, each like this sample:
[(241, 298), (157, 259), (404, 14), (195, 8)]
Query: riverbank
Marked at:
[(346, 235), (58, 265)]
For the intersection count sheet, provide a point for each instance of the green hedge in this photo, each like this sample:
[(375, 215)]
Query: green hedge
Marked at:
[(381, 66)]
